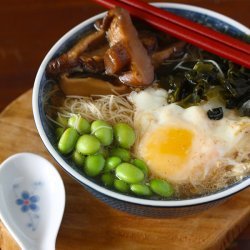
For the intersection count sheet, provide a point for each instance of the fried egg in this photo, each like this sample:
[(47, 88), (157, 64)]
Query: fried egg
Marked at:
[(184, 145)]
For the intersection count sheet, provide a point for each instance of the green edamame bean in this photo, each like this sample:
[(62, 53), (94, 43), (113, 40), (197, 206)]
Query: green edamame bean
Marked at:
[(104, 151), (68, 141), (94, 164), (80, 124), (59, 132), (124, 135), (88, 144), (108, 179), (140, 189), (78, 158), (111, 163), (122, 153), (103, 131), (121, 186), (161, 187), (141, 165), (129, 173), (63, 121)]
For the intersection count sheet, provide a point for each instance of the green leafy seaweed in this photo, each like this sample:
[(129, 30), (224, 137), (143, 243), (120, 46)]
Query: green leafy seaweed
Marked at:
[(190, 82)]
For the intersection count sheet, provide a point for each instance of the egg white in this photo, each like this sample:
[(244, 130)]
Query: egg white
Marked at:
[(214, 143)]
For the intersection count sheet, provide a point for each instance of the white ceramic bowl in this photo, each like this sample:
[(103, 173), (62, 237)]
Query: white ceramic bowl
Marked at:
[(125, 202)]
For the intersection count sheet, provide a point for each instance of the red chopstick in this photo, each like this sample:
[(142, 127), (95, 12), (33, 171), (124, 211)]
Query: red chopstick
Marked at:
[(188, 35), (198, 28)]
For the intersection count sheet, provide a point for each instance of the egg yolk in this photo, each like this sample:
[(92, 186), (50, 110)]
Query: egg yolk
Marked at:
[(166, 150)]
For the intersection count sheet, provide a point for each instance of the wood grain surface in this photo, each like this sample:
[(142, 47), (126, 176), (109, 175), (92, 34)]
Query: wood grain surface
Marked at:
[(28, 30), (91, 224)]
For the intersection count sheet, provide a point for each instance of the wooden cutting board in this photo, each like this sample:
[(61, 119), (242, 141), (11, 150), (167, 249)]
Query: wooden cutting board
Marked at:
[(91, 224)]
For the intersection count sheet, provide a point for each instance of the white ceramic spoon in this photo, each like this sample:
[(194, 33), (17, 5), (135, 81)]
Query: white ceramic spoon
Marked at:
[(32, 200)]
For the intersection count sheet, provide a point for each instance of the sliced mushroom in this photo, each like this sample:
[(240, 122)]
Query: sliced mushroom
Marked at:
[(149, 41), (69, 59), (114, 49), (89, 86), (93, 64), (116, 58), (120, 30), (98, 51), (93, 61), (160, 56)]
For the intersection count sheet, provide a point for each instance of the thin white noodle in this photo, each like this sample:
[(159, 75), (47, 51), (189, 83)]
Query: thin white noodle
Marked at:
[(100, 127), (178, 66), (111, 108), (217, 66), (54, 121)]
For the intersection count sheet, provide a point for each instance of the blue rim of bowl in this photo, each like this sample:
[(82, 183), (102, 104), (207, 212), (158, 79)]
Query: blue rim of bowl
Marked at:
[(37, 109)]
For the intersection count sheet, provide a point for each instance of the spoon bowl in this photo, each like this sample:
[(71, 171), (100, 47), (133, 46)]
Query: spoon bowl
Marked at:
[(32, 200)]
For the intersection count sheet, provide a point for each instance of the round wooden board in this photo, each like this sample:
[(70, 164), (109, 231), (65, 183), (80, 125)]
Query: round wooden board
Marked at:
[(91, 224)]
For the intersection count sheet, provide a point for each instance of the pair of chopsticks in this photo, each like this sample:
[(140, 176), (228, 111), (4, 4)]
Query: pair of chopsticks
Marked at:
[(191, 32)]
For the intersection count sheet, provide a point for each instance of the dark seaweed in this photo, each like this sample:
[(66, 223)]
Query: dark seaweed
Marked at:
[(237, 86), (215, 114), (190, 83)]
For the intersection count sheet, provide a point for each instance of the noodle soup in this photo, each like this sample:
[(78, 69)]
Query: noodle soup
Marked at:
[(185, 110)]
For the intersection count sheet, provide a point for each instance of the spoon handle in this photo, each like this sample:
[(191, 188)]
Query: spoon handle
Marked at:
[(43, 246)]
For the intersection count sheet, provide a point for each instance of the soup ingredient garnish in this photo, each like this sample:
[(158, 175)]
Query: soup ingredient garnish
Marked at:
[(161, 187), (129, 173), (123, 50), (116, 58), (120, 29), (103, 131), (111, 163), (118, 52), (80, 124), (124, 135), (62, 121), (68, 141), (160, 56), (215, 113), (87, 86), (121, 186), (141, 165), (78, 158), (88, 144), (237, 86), (70, 59), (190, 82), (141, 189), (197, 155), (245, 108), (108, 179), (122, 153), (94, 164), (109, 108)]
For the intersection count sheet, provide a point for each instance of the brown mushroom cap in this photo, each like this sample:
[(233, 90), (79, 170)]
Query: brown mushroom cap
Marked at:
[(121, 30), (89, 86)]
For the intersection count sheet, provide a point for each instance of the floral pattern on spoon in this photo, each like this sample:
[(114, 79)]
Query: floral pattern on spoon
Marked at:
[(28, 202)]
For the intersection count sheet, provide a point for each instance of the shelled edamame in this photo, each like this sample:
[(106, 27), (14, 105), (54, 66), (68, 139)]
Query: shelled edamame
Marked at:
[(104, 153)]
